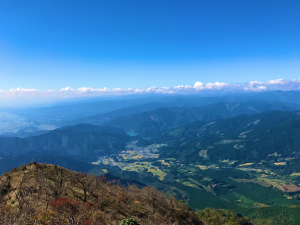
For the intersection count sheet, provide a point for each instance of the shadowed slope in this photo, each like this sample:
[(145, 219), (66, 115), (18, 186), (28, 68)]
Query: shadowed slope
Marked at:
[(82, 139)]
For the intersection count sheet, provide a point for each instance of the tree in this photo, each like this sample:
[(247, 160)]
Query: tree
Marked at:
[(52, 183), (24, 192), (87, 183)]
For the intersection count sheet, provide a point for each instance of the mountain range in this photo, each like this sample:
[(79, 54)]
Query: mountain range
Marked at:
[(245, 138), (79, 140), (163, 119)]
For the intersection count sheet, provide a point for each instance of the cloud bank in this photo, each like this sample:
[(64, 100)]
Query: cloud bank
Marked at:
[(198, 88)]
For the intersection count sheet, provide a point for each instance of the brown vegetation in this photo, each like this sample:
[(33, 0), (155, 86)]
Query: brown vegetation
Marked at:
[(48, 194), (290, 188)]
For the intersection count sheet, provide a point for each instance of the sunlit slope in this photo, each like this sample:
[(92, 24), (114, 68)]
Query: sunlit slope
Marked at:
[(49, 194)]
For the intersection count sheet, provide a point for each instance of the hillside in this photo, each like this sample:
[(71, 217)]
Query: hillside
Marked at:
[(80, 140), (236, 139), (164, 119), (105, 117), (48, 194)]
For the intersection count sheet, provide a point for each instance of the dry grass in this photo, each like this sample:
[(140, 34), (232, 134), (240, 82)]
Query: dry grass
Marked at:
[(290, 188), (246, 164), (280, 163), (202, 167), (295, 174)]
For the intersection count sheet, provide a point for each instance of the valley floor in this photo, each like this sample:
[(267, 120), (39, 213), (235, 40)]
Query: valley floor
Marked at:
[(244, 187)]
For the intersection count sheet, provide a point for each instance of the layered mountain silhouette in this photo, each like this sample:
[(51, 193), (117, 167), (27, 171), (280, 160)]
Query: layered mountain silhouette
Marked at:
[(164, 119), (79, 140)]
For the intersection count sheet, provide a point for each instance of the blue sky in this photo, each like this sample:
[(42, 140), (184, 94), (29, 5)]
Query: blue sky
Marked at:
[(49, 45)]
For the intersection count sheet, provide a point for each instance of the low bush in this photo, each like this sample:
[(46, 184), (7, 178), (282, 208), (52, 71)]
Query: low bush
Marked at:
[(129, 221)]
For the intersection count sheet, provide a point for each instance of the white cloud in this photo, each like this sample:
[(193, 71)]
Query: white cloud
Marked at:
[(278, 81), (182, 87), (22, 90), (198, 87), (210, 86), (67, 89)]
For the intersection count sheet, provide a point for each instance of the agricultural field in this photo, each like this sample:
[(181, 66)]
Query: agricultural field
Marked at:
[(131, 152), (229, 184)]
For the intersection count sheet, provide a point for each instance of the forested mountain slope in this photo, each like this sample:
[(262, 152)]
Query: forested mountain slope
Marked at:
[(244, 138), (164, 119), (83, 139)]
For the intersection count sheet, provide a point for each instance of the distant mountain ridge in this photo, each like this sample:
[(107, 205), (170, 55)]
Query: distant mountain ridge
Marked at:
[(33, 120), (83, 139), (164, 119), (102, 118), (291, 97)]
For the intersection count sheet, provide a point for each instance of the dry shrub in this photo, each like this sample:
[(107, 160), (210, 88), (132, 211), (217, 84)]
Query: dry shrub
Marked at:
[(53, 195), (39, 166)]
